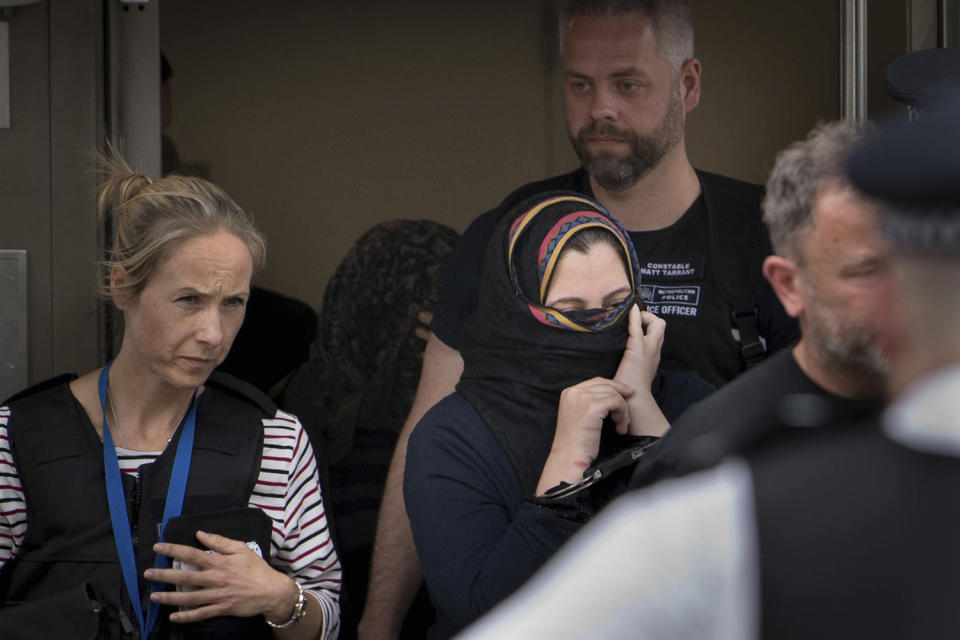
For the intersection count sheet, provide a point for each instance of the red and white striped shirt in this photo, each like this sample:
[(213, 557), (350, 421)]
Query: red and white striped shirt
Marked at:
[(287, 490)]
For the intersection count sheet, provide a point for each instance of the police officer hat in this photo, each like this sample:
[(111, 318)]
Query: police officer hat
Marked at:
[(924, 79), (913, 164)]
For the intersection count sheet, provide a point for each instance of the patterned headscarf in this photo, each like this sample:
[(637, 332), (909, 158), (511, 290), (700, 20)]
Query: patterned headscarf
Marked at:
[(354, 393), (582, 216), (519, 353), (365, 362)]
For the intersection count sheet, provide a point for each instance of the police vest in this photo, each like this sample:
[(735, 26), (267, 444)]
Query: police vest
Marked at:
[(858, 537), (65, 580)]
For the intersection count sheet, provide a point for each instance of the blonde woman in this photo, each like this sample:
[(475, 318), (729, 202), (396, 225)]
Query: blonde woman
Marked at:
[(110, 476)]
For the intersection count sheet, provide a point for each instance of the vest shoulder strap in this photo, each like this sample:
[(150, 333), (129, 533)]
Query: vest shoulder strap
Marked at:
[(242, 390), (39, 387), (40, 429), (738, 245)]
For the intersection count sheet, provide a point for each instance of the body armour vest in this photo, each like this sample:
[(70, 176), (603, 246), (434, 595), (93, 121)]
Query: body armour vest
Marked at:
[(65, 581), (857, 537)]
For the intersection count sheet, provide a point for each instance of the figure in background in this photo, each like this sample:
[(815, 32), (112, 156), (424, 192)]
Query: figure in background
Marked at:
[(502, 472), (169, 156), (356, 388), (110, 476), (630, 78), (273, 341)]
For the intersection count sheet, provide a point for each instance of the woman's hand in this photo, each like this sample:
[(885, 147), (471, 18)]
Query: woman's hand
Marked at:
[(580, 416), (234, 581), (637, 368), (641, 358)]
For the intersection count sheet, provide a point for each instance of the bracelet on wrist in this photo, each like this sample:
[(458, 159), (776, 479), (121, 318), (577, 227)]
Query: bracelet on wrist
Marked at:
[(299, 610)]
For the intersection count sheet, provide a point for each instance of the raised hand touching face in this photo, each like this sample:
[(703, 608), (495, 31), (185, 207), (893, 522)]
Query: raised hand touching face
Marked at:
[(642, 354), (638, 366)]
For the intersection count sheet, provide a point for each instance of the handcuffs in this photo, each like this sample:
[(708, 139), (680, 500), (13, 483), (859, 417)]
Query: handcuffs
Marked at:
[(602, 469)]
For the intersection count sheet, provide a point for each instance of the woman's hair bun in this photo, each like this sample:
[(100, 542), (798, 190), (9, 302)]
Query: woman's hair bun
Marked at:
[(118, 183)]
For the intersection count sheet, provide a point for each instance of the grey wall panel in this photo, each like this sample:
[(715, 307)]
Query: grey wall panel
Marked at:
[(13, 321), (4, 75), (25, 174), (76, 63), (46, 187)]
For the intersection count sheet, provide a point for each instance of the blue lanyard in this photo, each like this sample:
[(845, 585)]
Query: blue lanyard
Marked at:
[(173, 504)]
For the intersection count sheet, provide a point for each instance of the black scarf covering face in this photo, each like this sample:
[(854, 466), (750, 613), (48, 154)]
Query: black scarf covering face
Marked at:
[(520, 354)]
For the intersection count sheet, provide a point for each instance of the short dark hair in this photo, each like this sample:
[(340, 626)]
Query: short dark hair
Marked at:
[(672, 21)]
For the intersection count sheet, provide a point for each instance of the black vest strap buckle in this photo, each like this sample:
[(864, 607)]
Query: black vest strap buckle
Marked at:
[(752, 349), (752, 352)]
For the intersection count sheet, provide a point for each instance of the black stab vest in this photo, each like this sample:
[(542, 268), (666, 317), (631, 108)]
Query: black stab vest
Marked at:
[(65, 580), (858, 536)]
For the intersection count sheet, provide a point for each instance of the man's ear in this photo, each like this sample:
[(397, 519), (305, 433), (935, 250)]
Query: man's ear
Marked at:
[(690, 81), (118, 286), (785, 278)]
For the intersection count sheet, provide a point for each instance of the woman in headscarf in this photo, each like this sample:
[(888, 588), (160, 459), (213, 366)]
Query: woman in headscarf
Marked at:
[(560, 372), (355, 391)]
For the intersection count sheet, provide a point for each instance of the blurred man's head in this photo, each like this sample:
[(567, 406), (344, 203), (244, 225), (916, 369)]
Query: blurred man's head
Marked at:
[(629, 79), (830, 264), (912, 170)]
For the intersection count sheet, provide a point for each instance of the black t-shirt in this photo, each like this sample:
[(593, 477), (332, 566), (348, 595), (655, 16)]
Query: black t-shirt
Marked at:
[(678, 283), (773, 395)]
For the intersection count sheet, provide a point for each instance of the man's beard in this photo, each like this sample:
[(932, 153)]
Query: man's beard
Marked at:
[(614, 172), (843, 347)]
